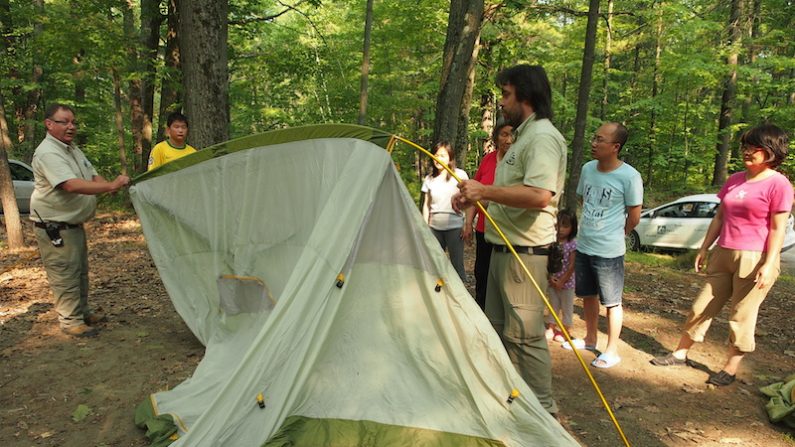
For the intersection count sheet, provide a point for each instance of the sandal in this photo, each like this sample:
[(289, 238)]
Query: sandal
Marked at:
[(578, 343), (668, 360), (721, 379), (606, 360)]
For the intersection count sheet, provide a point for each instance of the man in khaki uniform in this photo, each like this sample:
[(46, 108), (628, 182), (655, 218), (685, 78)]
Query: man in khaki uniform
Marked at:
[(523, 201), (62, 200)]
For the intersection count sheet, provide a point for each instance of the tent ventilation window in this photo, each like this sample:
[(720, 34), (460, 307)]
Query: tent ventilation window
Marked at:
[(243, 294)]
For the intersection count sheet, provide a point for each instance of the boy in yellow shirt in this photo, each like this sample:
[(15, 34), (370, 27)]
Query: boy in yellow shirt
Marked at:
[(174, 146)]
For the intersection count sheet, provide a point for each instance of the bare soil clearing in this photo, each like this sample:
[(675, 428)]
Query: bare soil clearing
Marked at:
[(60, 391)]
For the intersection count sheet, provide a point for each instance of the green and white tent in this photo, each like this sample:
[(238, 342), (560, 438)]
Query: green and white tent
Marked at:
[(330, 315)]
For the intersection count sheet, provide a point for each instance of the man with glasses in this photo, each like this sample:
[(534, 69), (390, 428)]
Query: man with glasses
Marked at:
[(612, 196), (65, 184), (523, 201)]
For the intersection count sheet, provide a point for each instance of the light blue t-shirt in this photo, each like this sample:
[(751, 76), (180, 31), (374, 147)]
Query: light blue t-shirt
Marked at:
[(605, 198)]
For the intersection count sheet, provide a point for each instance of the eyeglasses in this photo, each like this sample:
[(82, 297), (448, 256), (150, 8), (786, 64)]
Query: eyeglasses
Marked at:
[(748, 149), (599, 140), (66, 123)]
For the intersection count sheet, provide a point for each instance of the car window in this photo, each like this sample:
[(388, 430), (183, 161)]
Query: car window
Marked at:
[(688, 210), (19, 172), (706, 209), (675, 210)]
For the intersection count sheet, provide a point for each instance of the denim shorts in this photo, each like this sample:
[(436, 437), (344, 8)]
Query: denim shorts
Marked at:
[(595, 275)]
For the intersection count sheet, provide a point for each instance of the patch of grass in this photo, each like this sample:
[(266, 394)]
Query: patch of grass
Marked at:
[(680, 261)]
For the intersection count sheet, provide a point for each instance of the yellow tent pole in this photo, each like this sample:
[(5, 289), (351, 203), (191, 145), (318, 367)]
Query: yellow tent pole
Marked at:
[(533, 281)]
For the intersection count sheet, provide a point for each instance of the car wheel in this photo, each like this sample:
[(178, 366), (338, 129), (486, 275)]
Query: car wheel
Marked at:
[(633, 241)]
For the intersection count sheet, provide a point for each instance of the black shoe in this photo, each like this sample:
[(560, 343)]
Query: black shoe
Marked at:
[(721, 379), (668, 360)]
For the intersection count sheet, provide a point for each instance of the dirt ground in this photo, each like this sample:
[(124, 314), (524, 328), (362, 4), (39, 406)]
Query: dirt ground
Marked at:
[(59, 391)]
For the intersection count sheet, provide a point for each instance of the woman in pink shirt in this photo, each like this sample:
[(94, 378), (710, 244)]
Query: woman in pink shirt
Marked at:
[(502, 136), (750, 225)]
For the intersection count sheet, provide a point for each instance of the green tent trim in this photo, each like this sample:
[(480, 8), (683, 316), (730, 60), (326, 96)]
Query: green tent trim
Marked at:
[(781, 407), (161, 429), (299, 431), (280, 136)]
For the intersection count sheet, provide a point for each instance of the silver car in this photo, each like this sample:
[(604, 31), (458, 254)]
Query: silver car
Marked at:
[(682, 224), (22, 177)]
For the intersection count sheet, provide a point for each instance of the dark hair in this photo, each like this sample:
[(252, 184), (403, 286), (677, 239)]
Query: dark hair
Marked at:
[(570, 217), (532, 85), (620, 134), (450, 155), (176, 116), (53, 108), (768, 137), (496, 131)]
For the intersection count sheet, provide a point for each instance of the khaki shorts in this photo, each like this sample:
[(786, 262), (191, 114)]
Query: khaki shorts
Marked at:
[(730, 279)]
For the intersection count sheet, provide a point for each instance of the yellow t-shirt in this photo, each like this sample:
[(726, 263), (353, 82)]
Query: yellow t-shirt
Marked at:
[(164, 152)]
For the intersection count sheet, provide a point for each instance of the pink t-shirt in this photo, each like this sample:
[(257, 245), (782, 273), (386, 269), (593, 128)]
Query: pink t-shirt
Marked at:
[(485, 175), (748, 208)]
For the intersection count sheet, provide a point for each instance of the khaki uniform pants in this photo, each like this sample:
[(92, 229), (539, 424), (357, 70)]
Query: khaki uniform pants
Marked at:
[(516, 310), (730, 279), (67, 273)]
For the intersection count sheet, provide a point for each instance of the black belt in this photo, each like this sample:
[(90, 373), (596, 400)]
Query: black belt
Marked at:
[(60, 225), (540, 250)]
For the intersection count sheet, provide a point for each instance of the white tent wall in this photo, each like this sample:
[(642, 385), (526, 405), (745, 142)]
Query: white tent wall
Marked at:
[(386, 347)]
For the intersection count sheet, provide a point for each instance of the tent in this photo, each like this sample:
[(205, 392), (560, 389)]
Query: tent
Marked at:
[(330, 315)]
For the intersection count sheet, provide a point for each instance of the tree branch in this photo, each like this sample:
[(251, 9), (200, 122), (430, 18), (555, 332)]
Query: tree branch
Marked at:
[(268, 18)]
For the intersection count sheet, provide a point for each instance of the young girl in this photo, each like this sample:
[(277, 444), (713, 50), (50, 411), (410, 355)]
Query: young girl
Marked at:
[(560, 290), (438, 189)]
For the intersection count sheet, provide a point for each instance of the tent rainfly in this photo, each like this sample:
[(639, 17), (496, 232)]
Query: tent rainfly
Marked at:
[(330, 315)]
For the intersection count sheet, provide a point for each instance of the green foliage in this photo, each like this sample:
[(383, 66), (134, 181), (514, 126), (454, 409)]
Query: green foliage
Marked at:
[(301, 65)]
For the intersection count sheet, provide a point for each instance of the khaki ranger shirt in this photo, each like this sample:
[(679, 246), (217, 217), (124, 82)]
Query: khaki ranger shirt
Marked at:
[(537, 158), (55, 162)]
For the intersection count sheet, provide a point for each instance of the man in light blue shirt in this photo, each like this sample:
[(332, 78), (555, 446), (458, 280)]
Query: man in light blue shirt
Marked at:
[(612, 195)]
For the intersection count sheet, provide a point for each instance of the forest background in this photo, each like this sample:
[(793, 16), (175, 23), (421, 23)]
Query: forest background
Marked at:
[(685, 76)]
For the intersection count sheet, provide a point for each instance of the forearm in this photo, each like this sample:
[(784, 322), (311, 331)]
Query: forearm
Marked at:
[(633, 218), (713, 231), (775, 239), (89, 187), (518, 196)]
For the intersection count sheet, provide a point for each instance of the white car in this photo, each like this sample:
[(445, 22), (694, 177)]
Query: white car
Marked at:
[(22, 177), (683, 224)]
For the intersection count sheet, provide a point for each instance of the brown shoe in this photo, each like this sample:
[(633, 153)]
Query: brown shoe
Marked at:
[(80, 331), (94, 318)]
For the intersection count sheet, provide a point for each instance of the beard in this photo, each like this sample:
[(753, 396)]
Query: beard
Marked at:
[(512, 117)]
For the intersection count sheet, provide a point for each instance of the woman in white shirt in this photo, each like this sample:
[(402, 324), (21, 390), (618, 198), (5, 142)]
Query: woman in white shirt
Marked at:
[(438, 189)]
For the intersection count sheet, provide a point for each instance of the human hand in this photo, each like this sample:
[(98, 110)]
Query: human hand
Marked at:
[(466, 233), (701, 259), (459, 203), (472, 190), (765, 276)]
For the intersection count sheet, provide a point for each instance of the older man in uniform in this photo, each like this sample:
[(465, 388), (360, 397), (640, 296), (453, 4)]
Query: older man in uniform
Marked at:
[(62, 200)]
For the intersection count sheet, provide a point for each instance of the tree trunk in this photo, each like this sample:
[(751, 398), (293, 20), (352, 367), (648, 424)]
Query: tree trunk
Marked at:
[(655, 86), (753, 23), (80, 90), (487, 122), (368, 26), (570, 198), (203, 43), (171, 82), (724, 124), (119, 120), (608, 45), (460, 50), (7, 197), (150, 41), (27, 113), (135, 86)]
